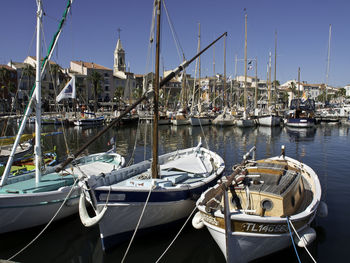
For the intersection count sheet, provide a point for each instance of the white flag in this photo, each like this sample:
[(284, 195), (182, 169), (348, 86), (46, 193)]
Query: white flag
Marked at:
[(68, 91)]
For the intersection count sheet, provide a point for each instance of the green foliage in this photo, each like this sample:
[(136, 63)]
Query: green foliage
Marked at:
[(95, 78)]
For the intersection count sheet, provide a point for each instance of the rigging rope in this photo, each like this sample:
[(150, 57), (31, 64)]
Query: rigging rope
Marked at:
[(175, 36)]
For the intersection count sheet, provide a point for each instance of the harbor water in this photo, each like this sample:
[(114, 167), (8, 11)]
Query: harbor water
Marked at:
[(324, 148)]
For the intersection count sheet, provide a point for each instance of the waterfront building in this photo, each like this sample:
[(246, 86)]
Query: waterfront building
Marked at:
[(8, 85), (83, 70)]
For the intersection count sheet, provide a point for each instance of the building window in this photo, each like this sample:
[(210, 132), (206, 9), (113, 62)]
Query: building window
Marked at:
[(106, 88)]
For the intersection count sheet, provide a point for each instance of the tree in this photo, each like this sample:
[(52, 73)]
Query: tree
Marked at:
[(118, 93), (55, 71), (95, 78), (29, 72)]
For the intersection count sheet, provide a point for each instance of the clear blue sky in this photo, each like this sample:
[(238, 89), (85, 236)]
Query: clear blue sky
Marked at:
[(91, 34)]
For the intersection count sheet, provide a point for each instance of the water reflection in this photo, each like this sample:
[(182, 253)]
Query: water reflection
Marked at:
[(323, 148), (301, 134)]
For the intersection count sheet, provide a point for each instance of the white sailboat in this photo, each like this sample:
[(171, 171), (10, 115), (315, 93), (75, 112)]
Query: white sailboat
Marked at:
[(270, 116), (33, 199), (225, 118), (199, 118), (153, 193), (245, 121)]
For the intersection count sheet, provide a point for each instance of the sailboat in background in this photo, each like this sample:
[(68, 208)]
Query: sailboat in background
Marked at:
[(36, 198), (181, 117), (269, 117), (302, 110), (225, 118), (152, 193), (245, 121), (198, 117)]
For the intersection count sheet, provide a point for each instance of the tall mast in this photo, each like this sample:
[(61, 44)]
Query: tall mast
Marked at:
[(269, 92), (245, 64), (224, 91), (37, 148), (199, 66), (256, 84), (156, 96), (329, 54), (275, 85), (214, 80), (298, 88)]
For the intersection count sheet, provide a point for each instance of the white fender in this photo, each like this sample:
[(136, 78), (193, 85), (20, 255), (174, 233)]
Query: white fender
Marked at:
[(322, 210), (307, 236), (197, 221), (84, 216)]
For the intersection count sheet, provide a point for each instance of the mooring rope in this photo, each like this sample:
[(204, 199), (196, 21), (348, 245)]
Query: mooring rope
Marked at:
[(295, 231), (291, 237), (172, 242), (48, 224), (138, 223)]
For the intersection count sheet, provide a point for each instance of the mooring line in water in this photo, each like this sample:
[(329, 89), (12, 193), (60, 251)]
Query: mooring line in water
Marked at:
[(48, 224), (195, 208), (291, 237), (295, 231), (138, 223)]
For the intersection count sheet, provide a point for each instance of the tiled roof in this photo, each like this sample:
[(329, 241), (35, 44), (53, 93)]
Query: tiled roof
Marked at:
[(7, 67), (50, 61), (90, 65)]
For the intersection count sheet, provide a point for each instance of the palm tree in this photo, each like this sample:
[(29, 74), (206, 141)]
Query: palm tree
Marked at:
[(55, 71), (95, 78), (29, 72)]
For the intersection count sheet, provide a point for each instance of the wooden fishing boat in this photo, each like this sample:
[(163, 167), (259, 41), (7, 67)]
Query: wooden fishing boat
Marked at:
[(249, 213)]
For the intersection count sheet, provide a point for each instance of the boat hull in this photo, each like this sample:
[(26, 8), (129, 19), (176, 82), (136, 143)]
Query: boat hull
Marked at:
[(245, 123), (180, 122), (199, 121), (269, 120), (170, 201), (301, 122), (253, 236), (29, 210)]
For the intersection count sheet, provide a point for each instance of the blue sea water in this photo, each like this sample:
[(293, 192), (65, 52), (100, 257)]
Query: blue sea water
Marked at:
[(325, 149)]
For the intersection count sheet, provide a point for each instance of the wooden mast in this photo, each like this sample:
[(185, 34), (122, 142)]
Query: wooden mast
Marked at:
[(199, 68), (225, 95), (269, 91), (298, 104), (155, 99), (214, 80), (245, 64), (329, 53), (275, 69), (256, 84)]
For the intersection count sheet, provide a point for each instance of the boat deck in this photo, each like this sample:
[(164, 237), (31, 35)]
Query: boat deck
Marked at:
[(277, 177), (49, 182)]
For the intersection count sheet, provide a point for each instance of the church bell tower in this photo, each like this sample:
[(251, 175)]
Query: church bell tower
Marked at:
[(119, 56)]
